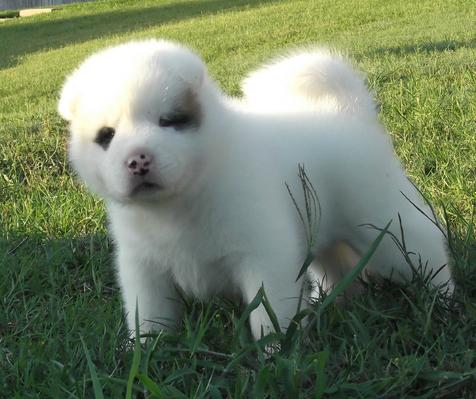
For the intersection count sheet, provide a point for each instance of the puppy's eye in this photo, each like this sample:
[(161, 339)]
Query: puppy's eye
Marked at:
[(175, 120), (104, 136)]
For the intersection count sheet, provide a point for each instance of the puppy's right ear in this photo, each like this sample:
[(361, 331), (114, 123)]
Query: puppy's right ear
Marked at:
[(69, 97)]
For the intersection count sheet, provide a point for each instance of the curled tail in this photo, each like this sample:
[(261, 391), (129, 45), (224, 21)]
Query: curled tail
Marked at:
[(312, 79)]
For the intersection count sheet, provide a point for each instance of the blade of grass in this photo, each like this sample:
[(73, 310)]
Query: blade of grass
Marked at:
[(260, 344), (321, 360), (309, 258), (246, 313), (98, 393), (152, 387), (270, 311), (292, 328), (135, 358)]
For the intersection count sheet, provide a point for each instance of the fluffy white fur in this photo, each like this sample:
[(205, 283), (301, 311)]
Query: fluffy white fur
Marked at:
[(212, 215), (309, 80)]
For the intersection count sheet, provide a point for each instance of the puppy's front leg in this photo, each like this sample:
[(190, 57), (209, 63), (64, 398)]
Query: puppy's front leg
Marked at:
[(281, 289), (158, 302)]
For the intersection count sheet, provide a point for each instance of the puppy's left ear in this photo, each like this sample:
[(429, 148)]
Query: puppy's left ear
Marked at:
[(69, 98), (181, 62), (194, 74)]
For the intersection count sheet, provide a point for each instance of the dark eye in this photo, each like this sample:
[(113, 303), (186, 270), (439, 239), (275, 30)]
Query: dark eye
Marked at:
[(175, 120), (104, 137)]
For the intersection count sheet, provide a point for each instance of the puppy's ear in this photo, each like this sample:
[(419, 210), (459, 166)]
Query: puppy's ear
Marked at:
[(193, 74), (183, 63), (69, 99)]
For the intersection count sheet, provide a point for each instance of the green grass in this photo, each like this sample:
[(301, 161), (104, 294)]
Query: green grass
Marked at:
[(58, 286), (9, 13)]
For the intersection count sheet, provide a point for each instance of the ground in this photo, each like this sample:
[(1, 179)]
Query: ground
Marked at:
[(60, 303)]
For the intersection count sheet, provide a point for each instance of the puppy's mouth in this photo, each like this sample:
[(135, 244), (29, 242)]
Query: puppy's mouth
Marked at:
[(146, 188)]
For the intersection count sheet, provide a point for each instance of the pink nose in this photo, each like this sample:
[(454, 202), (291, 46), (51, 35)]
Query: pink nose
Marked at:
[(139, 163)]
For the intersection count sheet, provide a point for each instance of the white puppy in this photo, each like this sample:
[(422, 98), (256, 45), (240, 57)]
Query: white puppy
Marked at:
[(195, 182)]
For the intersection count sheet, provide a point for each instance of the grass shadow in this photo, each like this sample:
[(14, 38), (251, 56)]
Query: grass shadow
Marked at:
[(55, 263), (431, 47), (53, 292), (30, 36)]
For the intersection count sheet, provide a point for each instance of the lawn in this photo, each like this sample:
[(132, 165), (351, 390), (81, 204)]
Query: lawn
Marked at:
[(62, 331)]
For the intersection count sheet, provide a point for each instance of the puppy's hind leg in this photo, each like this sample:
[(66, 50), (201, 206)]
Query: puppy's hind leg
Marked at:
[(331, 265), (414, 241)]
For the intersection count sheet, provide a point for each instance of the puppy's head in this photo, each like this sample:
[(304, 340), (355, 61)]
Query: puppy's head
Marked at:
[(136, 116)]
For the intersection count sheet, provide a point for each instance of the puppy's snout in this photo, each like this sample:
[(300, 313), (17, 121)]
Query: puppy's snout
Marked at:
[(139, 163)]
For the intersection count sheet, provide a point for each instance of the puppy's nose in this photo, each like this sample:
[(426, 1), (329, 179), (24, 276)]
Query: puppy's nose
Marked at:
[(139, 163)]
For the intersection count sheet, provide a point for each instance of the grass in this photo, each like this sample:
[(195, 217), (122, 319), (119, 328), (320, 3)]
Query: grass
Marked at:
[(58, 287)]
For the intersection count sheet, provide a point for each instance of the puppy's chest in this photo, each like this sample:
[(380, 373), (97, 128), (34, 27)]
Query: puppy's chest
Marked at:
[(201, 259), (200, 263)]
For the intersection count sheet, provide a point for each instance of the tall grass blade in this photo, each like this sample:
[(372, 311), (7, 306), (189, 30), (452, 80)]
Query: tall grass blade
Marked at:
[(135, 358), (309, 259), (270, 311), (246, 313), (98, 393), (310, 223), (321, 382), (151, 386)]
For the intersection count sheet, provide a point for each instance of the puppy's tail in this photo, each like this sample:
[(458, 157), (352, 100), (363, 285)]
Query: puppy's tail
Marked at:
[(316, 78)]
